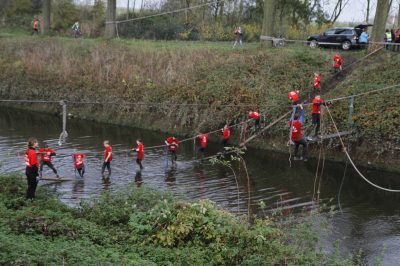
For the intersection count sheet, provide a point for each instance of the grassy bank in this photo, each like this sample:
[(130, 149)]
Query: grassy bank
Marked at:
[(188, 87), (144, 227)]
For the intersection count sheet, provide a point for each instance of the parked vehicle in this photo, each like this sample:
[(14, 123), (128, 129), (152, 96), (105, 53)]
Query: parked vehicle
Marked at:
[(344, 37)]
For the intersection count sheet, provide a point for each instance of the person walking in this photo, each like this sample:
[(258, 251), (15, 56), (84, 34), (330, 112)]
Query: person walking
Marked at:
[(239, 37)]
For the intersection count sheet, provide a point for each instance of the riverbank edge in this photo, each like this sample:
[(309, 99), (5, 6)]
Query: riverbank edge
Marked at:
[(273, 144)]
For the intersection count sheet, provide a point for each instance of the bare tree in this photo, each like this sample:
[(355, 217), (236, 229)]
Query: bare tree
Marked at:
[(110, 19), (127, 10), (46, 10), (340, 5), (269, 20), (381, 15), (398, 17)]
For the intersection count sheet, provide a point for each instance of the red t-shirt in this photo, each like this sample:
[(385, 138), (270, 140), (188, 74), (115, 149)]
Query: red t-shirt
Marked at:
[(44, 154), (255, 115), (226, 133), (36, 24), (140, 151), (31, 158), (317, 81), (293, 96), (172, 143), (79, 160), (203, 140), (316, 106), (337, 61), (296, 130), (107, 152)]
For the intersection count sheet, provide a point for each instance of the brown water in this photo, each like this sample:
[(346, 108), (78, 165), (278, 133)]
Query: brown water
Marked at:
[(370, 219)]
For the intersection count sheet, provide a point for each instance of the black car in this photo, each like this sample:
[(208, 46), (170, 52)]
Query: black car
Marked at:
[(345, 37)]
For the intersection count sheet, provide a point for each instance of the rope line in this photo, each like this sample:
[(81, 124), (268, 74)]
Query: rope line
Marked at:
[(353, 164)]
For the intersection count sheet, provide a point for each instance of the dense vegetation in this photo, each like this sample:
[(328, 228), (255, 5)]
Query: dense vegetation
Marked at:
[(143, 227)]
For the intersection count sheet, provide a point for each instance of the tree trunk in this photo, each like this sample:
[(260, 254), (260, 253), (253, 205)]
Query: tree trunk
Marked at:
[(268, 21), (134, 5), (240, 11), (368, 10), (398, 18), (378, 30), (221, 11), (110, 19), (46, 10), (127, 10)]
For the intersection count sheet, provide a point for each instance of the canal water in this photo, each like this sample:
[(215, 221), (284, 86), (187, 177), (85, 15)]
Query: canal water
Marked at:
[(369, 220)]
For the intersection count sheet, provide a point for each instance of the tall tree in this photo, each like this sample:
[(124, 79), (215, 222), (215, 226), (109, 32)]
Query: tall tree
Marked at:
[(398, 17), (46, 12), (110, 19), (268, 20), (381, 15), (127, 10), (368, 10)]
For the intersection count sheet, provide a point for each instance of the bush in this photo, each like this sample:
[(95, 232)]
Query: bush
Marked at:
[(137, 227)]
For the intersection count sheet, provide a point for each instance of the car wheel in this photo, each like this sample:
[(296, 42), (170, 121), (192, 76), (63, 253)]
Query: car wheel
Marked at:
[(313, 44), (346, 45)]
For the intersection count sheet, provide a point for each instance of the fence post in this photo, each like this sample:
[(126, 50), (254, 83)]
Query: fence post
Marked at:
[(64, 133), (351, 109)]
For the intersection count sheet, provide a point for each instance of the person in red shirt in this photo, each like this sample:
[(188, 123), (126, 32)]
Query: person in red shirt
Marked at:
[(79, 163), (203, 141), (140, 153), (317, 81), (35, 26), (337, 62), (45, 159), (32, 167), (316, 113), (294, 97), (107, 158), (172, 145), (255, 115), (296, 122), (226, 132)]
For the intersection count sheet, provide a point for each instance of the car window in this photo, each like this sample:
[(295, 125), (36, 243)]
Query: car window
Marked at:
[(344, 31), (330, 32)]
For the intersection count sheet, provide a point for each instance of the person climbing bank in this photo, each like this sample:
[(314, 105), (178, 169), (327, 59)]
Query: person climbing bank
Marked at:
[(296, 122)]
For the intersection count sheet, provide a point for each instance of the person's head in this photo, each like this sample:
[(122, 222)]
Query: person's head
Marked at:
[(297, 116), (318, 97), (75, 150), (316, 74), (387, 30), (106, 143), (32, 143), (139, 141), (226, 126), (45, 145)]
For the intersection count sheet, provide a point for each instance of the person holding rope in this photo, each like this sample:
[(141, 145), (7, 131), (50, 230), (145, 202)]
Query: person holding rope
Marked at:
[(226, 133), (107, 158), (255, 115), (296, 122), (140, 153), (45, 159), (203, 142), (294, 97), (32, 167), (316, 115), (317, 81), (172, 145)]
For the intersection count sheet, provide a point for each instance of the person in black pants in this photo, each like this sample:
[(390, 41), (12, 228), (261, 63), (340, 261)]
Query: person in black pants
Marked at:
[(31, 170)]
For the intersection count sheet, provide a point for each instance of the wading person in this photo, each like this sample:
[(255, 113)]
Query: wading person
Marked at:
[(35, 26), (296, 122), (140, 153), (79, 163), (172, 145), (226, 134), (203, 142), (46, 153), (107, 158), (337, 63), (239, 37), (32, 167)]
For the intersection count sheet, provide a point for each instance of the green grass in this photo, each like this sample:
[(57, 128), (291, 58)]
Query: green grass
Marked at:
[(140, 226)]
